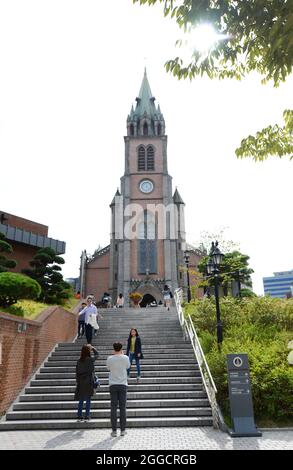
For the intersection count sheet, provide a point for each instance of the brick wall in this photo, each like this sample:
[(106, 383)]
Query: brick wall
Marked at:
[(22, 353), (22, 254), (25, 224), (97, 276)]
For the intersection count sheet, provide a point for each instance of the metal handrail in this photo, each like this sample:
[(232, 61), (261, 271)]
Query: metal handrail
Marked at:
[(209, 384)]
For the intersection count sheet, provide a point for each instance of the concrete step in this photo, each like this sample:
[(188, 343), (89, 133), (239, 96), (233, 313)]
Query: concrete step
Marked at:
[(170, 392), (62, 361), (51, 367), (105, 423), (72, 405), (182, 346), (170, 373), (105, 413), (135, 395), (131, 381), (150, 355), (103, 388)]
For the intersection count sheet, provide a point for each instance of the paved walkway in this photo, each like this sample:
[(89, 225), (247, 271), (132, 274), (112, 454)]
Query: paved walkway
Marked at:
[(143, 439)]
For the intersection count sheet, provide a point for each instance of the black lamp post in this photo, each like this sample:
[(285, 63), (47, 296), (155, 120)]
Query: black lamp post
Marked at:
[(213, 270), (186, 259)]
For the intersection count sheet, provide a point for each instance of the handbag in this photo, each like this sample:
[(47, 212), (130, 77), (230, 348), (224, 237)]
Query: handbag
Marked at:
[(96, 382), (93, 322)]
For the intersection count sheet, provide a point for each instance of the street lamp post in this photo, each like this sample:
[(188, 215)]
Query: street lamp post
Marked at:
[(213, 270), (186, 259)]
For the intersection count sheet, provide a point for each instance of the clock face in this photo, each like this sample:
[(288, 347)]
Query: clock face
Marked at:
[(146, 186)]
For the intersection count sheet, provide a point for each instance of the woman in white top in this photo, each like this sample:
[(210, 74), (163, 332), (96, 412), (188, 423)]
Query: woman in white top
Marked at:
[(120, 301), (167, 296)]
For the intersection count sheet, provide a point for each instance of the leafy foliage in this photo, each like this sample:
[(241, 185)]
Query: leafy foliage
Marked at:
[(14, 286), (5, 247), (257, 36), (272, 140), (45, 270), (234, 267), (260, 327)]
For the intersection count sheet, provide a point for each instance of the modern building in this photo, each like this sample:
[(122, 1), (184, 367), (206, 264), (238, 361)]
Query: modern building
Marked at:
[(26, 238), (279, 285), (146, 249)]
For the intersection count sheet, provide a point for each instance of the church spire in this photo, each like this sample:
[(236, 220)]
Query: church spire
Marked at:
[(146, 119)]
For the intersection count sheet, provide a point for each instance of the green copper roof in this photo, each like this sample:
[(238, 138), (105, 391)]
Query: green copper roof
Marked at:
[(146, 101)]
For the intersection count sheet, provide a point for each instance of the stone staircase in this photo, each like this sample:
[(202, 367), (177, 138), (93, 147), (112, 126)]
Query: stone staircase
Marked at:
[(170, 392)]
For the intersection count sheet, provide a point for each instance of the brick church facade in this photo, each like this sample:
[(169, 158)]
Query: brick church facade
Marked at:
[(147, 245)]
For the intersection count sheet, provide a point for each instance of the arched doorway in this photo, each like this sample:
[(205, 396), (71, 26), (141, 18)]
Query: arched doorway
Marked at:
[(146, 300)]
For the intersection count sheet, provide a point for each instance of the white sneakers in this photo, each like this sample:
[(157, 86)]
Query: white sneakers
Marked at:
[(114, 433)]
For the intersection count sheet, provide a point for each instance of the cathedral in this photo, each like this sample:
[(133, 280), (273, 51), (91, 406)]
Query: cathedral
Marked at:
[(147, 245)]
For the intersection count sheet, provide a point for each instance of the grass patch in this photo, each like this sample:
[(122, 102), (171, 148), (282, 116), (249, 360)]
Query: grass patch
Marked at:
[(30, 309)]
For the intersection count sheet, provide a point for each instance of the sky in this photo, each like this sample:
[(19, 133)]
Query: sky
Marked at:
[(70, 71)]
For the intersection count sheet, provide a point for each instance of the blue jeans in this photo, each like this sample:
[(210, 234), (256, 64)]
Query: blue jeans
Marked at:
[(87, 408), (131, 357)]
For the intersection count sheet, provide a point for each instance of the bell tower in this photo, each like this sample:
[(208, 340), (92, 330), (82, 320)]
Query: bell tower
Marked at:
[(147, 227)]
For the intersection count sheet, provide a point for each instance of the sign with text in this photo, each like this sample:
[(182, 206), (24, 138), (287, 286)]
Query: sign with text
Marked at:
[(240, 396)]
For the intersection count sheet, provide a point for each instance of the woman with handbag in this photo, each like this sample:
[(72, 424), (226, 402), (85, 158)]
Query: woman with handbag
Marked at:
[(85, 380), (134, 351), (167, 296)]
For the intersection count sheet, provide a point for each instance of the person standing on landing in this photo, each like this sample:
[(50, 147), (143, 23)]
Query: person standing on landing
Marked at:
[(120, 301), (81, 326), (85, 377), (118, 365), (134, 351), (89, 310)]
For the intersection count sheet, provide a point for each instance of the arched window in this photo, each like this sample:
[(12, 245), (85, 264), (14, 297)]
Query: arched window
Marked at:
[(150, 158), (147, 245), (145, 129), (159, 129), (131, 129), (141, 159)]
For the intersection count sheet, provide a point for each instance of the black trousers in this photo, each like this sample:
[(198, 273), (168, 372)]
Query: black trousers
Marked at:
[(80, 331), (88, 333), (118, 394)]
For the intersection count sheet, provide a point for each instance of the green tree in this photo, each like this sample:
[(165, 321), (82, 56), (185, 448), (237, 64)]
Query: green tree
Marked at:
[(14, 286), (255, 36), (5, 247), (234, 268), (46, 271)]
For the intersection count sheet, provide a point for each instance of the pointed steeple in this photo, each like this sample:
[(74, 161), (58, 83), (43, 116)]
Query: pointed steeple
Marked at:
[(146, 119), (177, 199), (114, 198), (146, 100)]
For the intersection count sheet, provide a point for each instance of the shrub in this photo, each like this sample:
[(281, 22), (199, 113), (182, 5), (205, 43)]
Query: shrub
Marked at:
[(135, 296), (15, 286), (260, 327)]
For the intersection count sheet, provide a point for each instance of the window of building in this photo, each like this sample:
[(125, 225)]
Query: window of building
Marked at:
[(141, 159), (159, 129), (147, 245), (145, 129), (150, 158), (131, 129)]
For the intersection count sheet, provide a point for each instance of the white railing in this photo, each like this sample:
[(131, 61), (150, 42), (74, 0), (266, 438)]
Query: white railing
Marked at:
[(209, 384)]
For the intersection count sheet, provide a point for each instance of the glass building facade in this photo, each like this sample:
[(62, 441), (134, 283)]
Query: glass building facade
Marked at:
[(279, 285)]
